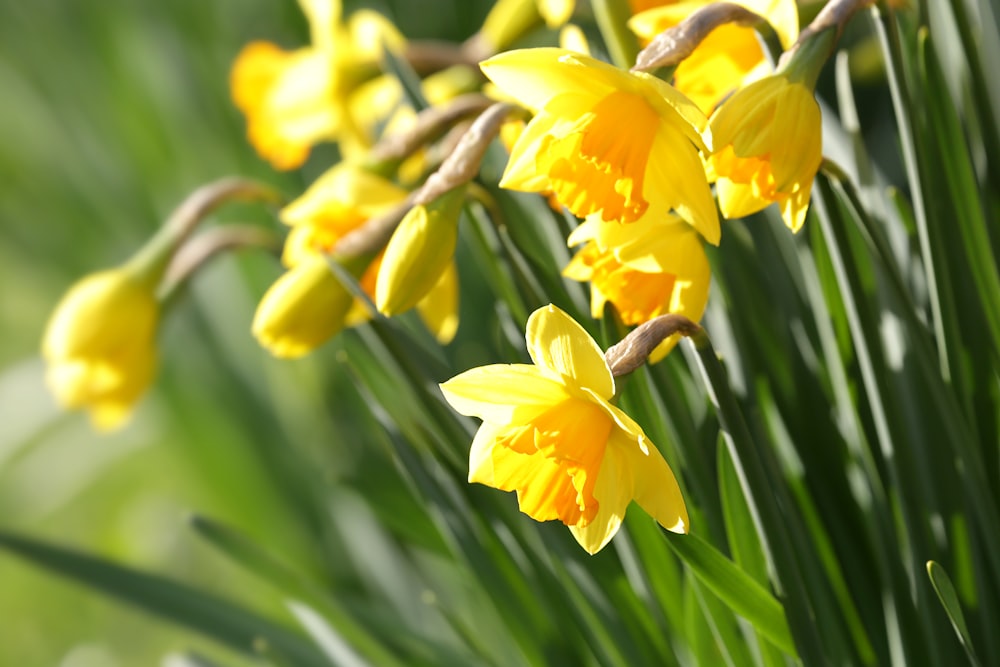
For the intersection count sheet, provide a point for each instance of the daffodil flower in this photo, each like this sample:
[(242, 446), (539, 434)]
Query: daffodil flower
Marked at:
[(731, 56), (307, 305), (645, 269), (100, 345), (295, 99), (551, 434), (768, 139), (605, 141)]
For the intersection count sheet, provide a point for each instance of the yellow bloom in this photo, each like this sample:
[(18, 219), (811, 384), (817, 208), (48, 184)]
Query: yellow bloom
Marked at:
[(100, 347), (768, 141), (731, 56), (308, 305), (604, 140), (337, 203), (295, 99), (550, 433), (647, 269)]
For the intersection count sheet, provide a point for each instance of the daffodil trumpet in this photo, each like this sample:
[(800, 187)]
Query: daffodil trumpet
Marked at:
[(598, 138)]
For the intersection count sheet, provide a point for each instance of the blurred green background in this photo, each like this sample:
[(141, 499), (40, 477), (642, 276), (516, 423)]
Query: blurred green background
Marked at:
[(111, 113)]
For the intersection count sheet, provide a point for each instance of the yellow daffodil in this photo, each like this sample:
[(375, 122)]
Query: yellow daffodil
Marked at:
[(550, 433), (731, 56), (308, 305), (768, 142), (338, 203), (100, 345), (605, 141), (295, 99), (645, 270)]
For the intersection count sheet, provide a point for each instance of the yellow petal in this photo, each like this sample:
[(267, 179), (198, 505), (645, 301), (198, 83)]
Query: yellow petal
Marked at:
[(439, 309), (783, 15), (613, 491), (675, 172), (481, 454), (534, 76), (654, 486), (556, 12), (324, 20), (737, 200), (344, 196), (558, 344), (499, 392)]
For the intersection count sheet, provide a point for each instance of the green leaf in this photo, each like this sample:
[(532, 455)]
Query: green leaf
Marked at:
[(736, 588), (949, 600), (173, 601), (251, 556)]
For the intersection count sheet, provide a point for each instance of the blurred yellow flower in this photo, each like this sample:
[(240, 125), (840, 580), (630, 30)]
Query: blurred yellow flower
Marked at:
[(295, 99), (768, 147), (304, 308), (605, 141), (308, 305), (731, 56), (550, 433), (646, 269), (337, 203), (100, 345)]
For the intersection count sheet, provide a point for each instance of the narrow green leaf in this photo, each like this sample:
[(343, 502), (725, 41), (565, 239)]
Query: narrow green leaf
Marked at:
[(409, 81), (173, 601), (736, 588), (949, 600), (251, 556), (961, 181)]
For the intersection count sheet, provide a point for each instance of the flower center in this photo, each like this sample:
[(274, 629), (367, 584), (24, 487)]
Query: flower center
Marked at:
[(553, 461), (600, 163)]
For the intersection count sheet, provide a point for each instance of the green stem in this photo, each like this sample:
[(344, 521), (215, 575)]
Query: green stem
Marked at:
[(765, 494), (612, 20)]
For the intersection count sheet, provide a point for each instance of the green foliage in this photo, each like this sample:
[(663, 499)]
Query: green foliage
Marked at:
[(835, 431)]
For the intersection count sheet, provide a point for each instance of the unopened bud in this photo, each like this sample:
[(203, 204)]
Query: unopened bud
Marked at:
[(100, 344), (303, 309), (419, 252)]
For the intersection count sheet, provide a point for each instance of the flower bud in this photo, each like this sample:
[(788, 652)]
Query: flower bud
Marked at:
[(303, 309), (419, 252), (100, 347)]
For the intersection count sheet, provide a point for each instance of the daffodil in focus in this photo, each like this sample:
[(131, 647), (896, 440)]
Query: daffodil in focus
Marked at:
[(100, 344), (551, 434), (646, 269), (295, 99), (731, 56), (617, 144), (768, 139)]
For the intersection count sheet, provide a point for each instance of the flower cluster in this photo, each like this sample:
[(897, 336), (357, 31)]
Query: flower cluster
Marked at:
[(644, 159)]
